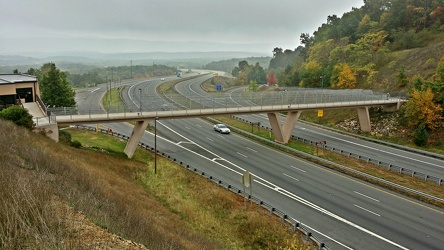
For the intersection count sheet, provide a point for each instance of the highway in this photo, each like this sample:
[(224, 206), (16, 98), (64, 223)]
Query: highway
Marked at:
[(416, 162), (344, 212)]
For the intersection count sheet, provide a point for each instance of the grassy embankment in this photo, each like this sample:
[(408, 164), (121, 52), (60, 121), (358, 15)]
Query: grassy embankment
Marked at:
[(175, 209)]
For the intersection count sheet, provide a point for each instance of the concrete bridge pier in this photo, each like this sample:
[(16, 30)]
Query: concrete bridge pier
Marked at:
[(282, 134), (364, 119), (136, 135)]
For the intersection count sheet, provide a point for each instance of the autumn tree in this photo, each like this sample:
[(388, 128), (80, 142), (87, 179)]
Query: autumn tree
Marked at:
[(420, 109), (271, 79), (343, 77), (310, 75)]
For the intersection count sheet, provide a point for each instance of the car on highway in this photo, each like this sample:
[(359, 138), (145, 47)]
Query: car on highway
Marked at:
[(221, 128), (163, 79), (165, 107)]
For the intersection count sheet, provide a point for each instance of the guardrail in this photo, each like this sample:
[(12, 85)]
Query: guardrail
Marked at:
[(379, 163), (359, 173), (292, 222)]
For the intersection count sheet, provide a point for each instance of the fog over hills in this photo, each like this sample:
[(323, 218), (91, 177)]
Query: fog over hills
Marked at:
[(26, 60)]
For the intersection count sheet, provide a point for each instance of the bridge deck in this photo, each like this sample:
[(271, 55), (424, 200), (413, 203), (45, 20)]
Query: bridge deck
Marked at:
[(175, 114)]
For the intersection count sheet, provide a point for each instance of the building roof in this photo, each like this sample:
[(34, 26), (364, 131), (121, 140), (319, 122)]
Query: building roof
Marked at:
[(16, 78)]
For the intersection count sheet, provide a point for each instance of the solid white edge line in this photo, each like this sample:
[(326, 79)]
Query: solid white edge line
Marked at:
[(289, 194)]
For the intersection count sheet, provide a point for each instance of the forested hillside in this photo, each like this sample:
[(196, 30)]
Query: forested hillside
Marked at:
[(228, 65), (382, 45), (394, 46)]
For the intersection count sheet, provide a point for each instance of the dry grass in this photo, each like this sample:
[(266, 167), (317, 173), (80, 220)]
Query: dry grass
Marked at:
[(174, 209)]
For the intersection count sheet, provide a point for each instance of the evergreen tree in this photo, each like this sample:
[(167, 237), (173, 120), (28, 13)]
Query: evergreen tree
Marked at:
[(420, 136), (402, 78), (54, 86)]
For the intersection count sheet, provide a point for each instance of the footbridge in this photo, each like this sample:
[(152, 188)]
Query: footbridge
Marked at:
[(274, 104)]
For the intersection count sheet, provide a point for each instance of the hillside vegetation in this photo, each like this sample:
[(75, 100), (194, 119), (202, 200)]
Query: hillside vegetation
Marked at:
[(389, 46), (60, 197), (372, 44)]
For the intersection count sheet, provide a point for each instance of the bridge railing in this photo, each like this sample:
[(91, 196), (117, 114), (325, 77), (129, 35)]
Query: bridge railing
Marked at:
[(221, 100)]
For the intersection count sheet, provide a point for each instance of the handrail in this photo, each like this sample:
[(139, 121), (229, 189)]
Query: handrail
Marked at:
[(42, 105)]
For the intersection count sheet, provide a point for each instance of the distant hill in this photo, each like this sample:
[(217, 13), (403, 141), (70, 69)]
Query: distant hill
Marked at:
[(91, 60)]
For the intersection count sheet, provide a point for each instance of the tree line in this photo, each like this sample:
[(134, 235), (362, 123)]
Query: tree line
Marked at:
[(57, 87)]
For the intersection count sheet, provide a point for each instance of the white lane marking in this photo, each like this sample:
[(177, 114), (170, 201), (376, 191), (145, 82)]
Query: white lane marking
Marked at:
[(366, 210), (185, 142), (198, 125), (252, 149), (187, 127), (380, 150), (94, 90), (325, 211), (366, 196), (210, 139), (284, 192), (298, 169), (242, 155), (290, 176)]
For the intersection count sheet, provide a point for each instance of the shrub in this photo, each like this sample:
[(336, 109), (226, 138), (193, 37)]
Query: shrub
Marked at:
[(420, 136), (64, 137), (18, 115), (76, 144)]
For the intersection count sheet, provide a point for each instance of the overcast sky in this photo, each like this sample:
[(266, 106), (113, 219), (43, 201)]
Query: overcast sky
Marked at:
[(157, 25)]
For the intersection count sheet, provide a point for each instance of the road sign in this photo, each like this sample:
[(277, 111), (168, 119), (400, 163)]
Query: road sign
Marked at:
[(219, 87), (246, 179), (320, 113)]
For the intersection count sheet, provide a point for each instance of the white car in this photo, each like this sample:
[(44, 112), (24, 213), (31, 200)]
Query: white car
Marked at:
[(221, 128)]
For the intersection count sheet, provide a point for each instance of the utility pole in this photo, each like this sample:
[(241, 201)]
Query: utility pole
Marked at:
[(322, 81), (110, 89), (140, 102), (155, 145), (131, 63)]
